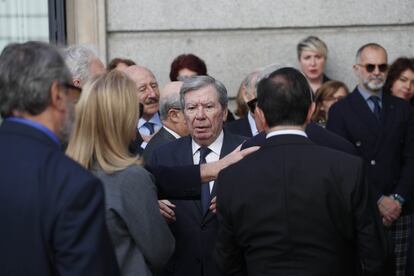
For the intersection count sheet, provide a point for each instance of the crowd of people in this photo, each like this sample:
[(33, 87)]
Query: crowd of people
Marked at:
[(104, 173)]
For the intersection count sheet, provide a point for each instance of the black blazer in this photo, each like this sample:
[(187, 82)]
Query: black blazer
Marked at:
[(316, 134), (194, 233), (160, 138), (52, 210), (240, 127), (387, 148), (281, 214)]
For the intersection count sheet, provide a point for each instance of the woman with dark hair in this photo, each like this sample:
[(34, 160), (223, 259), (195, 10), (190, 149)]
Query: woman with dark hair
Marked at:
[(329, 93), (400, 79), (400, 83), (187, 65)]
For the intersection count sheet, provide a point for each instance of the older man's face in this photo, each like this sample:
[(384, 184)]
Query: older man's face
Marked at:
[(372, 79), (204, 115), (148, 91)]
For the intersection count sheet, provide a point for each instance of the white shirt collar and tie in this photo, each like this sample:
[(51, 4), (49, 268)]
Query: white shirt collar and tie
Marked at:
[(213, 156)]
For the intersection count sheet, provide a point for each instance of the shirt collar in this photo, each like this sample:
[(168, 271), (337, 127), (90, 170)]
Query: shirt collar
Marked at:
[(155, 119), (37, 126), (172, 132), (252, 123), (366, 94), (286, 131), (214, 147)]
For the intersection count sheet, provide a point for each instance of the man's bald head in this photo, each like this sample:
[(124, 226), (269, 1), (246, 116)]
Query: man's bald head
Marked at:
[(170, 98)]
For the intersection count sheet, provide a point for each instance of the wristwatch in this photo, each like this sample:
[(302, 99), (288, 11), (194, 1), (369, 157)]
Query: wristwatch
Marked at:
[(398, 198)]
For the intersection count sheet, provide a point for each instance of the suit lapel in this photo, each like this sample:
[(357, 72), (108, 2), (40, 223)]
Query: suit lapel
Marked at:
[(366, 116), (387, 119), (228, 146)]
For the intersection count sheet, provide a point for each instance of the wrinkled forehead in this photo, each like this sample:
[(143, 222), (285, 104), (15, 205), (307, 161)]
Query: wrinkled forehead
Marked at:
[(202, 95)]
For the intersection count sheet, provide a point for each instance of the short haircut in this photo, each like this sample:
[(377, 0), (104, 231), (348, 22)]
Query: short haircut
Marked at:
[(189, 61), (27, 71), (396, 69), (314, 44), (284, 97), (106, 117), (372, 45), (114, 63), (168, 102), (78, 59), (197, 82)]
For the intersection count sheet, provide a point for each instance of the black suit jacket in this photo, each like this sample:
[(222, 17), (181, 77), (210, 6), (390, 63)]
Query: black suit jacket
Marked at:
[(240, 127), (52, 210), (316, 134), (281, 214), (387, 148), (195, 234), (160, 138)]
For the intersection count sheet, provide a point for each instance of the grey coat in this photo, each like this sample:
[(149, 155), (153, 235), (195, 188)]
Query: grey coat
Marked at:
[(142, 240)]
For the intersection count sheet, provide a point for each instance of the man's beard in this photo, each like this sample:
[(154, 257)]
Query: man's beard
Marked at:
[(374, 83), (68, 123)]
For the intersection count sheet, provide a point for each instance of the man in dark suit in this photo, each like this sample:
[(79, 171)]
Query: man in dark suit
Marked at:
[(294, 207), (172, 118), (204, 101), (382, 129), (52, 210)]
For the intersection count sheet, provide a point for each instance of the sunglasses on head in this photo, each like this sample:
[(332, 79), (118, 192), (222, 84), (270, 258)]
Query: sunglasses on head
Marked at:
[(371, 67), (252, 105)]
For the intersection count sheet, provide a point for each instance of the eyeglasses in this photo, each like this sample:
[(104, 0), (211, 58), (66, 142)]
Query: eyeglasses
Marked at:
[(252, 105), (71, 86), (371, 67)]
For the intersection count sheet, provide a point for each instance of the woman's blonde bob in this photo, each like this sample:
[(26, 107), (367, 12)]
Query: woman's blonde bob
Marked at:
[(106, 120)]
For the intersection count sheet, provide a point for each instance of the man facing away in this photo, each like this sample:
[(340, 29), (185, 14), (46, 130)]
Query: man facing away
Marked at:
[(381, 127), (294, 207), (52, 210), (204, 102)]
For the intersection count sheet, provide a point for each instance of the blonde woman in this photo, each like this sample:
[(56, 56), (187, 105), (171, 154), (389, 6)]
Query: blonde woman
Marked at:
[(312, 55), (106, 118)]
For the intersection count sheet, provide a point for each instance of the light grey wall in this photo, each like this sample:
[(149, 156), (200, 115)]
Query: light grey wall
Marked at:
[(236, 36)]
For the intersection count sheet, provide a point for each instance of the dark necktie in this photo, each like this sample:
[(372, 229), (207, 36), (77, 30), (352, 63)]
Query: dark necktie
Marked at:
[(150, 127), (205, 187), (377, 107)]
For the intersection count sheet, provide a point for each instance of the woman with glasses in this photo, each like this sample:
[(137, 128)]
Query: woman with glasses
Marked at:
[(328, 94), (106, 118), (312, 55)]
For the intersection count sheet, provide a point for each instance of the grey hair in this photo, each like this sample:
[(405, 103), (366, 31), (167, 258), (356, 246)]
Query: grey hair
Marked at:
[(168, 102), (312, 43), (368, 45), (27, 72), (197, 82), (78, 59)]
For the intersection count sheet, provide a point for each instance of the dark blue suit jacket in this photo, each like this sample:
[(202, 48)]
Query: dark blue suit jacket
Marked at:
[(52, 210), (240, 127), (387, 148), (316, 134), (195, 234)]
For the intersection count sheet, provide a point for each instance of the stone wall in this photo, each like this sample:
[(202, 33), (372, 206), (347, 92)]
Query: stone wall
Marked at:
[(236, 36)]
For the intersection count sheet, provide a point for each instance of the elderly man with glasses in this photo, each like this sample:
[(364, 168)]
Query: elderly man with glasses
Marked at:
[(381, 127)]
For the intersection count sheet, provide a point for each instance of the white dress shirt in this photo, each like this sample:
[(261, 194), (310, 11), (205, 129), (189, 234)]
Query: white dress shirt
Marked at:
[(213, 156)]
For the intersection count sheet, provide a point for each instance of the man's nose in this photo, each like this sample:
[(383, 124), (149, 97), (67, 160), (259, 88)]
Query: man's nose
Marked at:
[(200, 113)]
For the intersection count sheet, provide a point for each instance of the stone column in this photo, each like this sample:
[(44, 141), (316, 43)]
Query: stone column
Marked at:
[(86, 24)]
